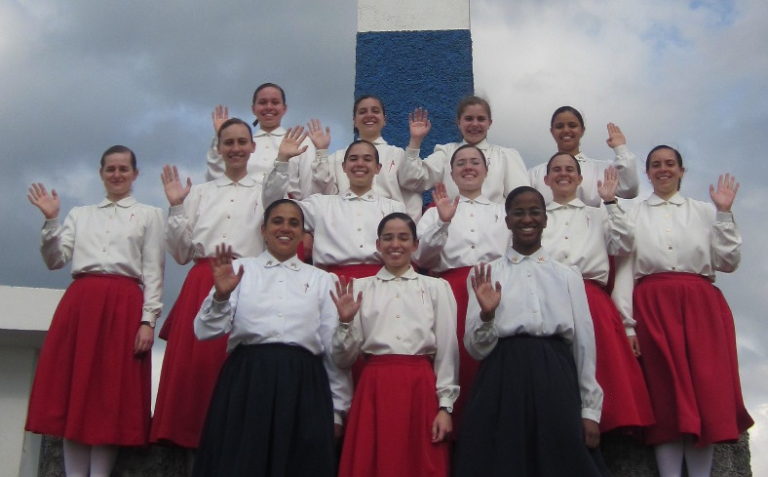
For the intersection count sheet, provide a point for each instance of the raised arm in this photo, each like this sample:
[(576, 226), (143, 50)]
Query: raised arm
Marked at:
[(415, 174), (181, 221), (217, 311), (57, 241), (618, 236), (348, 337), (481, 335), (277, 182), (624, 162), (726, 239), (213, 159)]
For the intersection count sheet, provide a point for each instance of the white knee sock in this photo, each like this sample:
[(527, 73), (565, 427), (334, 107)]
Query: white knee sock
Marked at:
[(77, 458), (103, 460), (698, 460), (669, 459)]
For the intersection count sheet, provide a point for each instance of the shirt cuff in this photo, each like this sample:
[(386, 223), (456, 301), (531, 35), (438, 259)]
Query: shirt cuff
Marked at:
[(176, 210), (621, 149), (591, 414), (726, 217)]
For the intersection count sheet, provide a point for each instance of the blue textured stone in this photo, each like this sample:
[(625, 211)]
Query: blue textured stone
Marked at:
[(406, 69)]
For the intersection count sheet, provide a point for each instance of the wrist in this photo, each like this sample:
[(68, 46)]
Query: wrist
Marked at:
[(487, 315), (610, 201), (148, 323)]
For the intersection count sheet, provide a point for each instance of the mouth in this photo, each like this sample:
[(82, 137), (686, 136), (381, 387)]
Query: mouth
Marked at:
[(360, 172), (284, 239)]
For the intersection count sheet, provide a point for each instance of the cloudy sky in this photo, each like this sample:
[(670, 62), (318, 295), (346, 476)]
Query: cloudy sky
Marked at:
[(79, 76)]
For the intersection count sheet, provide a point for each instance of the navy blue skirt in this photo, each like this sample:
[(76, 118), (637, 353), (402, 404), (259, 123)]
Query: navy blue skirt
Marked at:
[(271, 415), (524, 414)]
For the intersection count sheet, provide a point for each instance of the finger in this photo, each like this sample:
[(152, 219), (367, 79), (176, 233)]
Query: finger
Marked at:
[(359, 297), (435, 431), (498, 287), (456, 201), (488, 274)]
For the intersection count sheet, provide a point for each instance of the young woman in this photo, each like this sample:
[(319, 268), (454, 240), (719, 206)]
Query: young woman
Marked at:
[(567, 128), (458, 233), (269, 107), (405, 326), (535, 406), (343, 224), (506, 169), (583, 237), (92, 385), (273, 409), (225, 210), (684, 325), (369, 118)]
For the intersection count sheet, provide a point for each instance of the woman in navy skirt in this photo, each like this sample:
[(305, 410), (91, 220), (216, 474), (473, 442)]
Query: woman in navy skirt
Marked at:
[(279, 398), (535, 406), (92, 386)]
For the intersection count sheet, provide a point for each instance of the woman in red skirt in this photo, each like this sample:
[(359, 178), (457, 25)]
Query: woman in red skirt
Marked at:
[(92, 386), (225, 210), (457, 234), (684, 325), (405, 325), (583, 237)]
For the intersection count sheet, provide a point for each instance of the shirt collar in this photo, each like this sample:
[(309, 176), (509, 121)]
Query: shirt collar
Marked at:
[(369, 196), (125, 202), (574, 203), (482, 145), (676, 199), (581, 157), (480, 199), (379, 141), (539, 256), (278, 131), (292, 263), (386, 275), (224, 181)]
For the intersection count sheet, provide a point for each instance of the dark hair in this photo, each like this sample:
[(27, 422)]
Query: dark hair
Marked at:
[(567, 109), (231, 122), (362, 141), (397, 215), (677, 156), (521, 190), (359, 100), (469, 146), (470, 101), (576, 161), (117, 149), (266, 85), (273, 205)]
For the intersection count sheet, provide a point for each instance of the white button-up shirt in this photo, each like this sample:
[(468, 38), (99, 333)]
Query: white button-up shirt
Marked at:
[(506, 170), (344, 225), (410, 315), (219, 211), (330, 178), (121, 238), (539, 297), (593, 170), (279, 302), (477, 233), (260, 163)]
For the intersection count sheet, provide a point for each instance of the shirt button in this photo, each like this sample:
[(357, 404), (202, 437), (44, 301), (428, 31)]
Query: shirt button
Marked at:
[(669, 248), (361, 245), (231, 200), (224, 235), (359, 229), (471, 215), (397, 338), (472, 246), (566, 237), (229, 216), (397, 296), (471, 230), (397, 316), (674, 268)]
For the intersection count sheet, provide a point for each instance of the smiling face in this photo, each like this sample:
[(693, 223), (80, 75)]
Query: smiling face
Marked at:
[(118, 175), (235, 146), (526, 218), (283, 230), (361, 165), (395, 244), (563, 177), (473, 123), (665, 172), (468, 170), (369, 118), (567, 131), (269, 108)]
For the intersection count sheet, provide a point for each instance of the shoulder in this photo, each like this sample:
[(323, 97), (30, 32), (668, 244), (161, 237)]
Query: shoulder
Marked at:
[(447, 148)]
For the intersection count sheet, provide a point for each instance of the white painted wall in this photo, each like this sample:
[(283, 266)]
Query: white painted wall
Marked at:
[(24, 320), (412, 15)]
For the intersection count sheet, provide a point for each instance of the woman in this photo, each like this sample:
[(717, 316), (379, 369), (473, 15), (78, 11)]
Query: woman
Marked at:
[(583, 237), (269, 107), (458, 233), (228, 210), (535, 406), (684, 326), (343, 224), (92, 385), (506, 169), (273, 410), (405, 325), (567, 129), (369, 118)]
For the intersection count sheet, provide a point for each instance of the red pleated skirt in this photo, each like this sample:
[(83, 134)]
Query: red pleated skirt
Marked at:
[(688, 341), (390, 422), (468, 365), (89, 386), (190, 366), (626, 402)]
